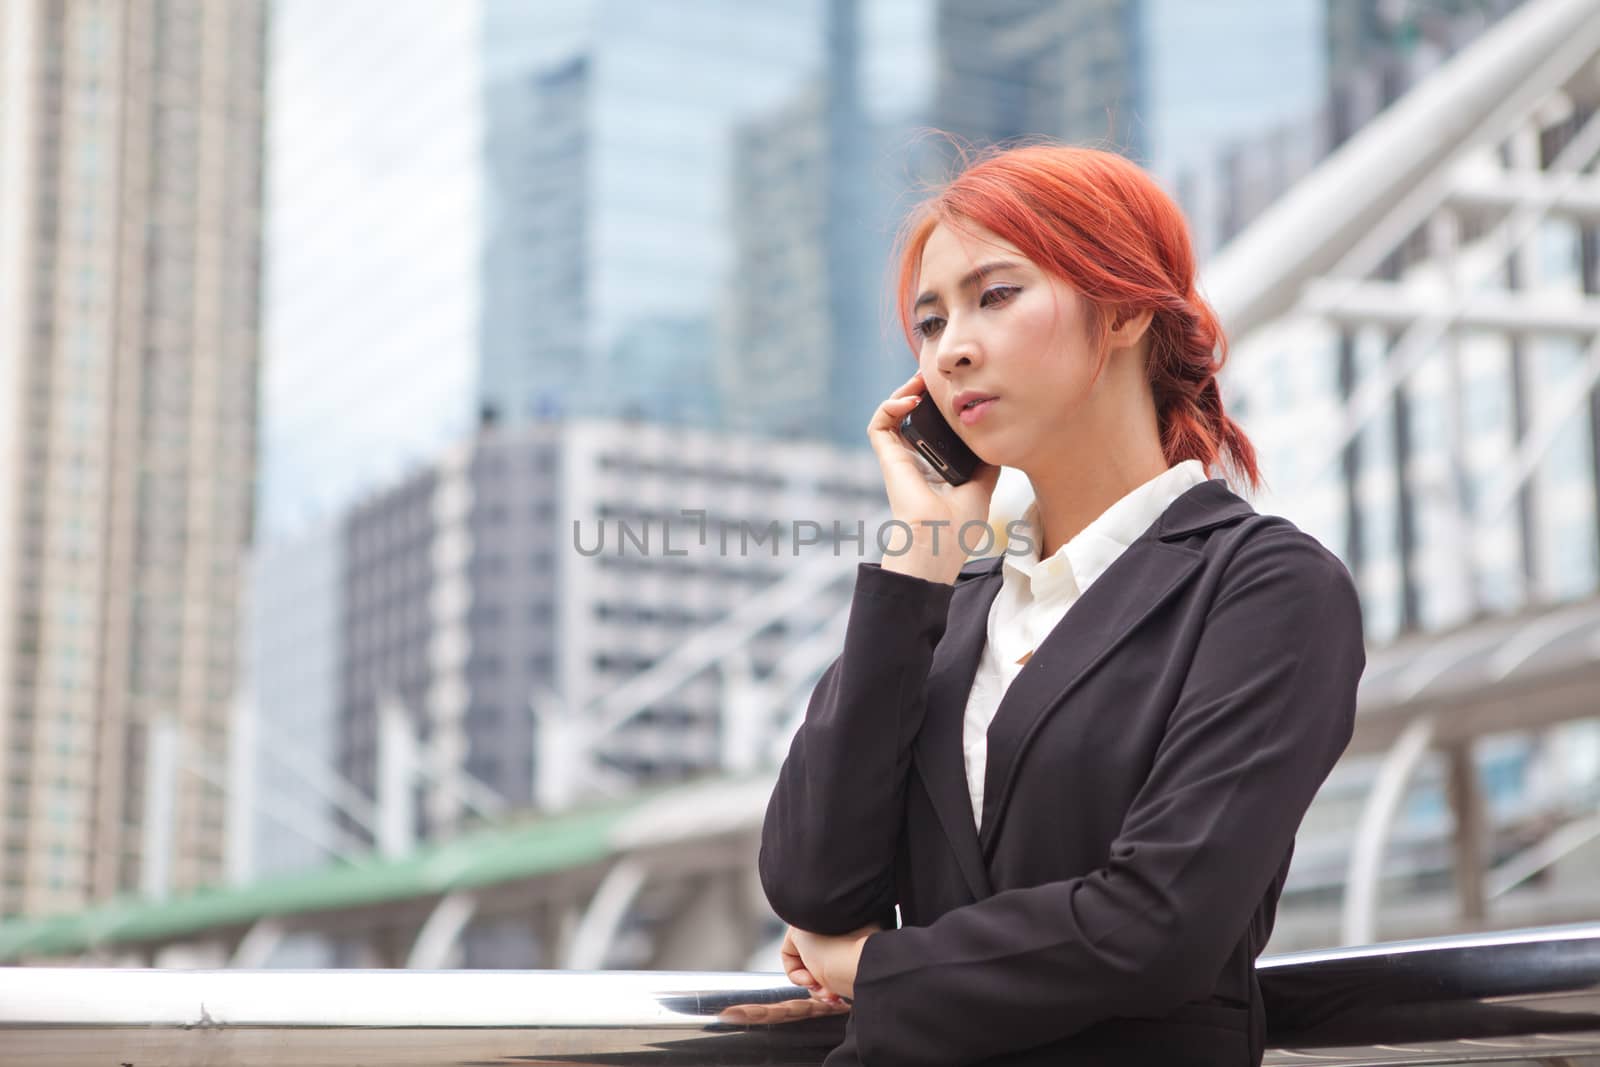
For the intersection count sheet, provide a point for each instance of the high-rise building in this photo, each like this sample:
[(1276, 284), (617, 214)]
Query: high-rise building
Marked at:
[(561, 218), (1223, 193), (1032, 68), (778, 335), (130, 187), (537, 569), (608, 151), (1162, 81), (1216, 100), (1377, 50), (808, 345), (546, 223), (822, 181)]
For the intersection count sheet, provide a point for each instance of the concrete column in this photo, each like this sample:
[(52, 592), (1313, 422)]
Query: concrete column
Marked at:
[(162, 760), (1466, 805)]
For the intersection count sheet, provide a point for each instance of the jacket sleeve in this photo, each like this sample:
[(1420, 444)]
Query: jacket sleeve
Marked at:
[(1266, 709), (832, 826)]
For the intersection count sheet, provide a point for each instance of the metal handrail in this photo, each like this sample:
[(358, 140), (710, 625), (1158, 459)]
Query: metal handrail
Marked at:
[(1526, 996)]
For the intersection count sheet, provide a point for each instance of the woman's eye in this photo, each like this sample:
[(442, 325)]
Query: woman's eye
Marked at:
[(927, 327), (998, 294)]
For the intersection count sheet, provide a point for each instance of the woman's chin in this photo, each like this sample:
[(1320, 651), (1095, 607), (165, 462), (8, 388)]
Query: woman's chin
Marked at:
[(992, 452)]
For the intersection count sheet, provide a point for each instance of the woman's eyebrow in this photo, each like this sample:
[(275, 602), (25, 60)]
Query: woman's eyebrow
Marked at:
[(972, 277)]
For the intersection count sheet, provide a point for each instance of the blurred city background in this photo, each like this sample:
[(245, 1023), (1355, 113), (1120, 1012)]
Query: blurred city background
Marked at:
[(381, 379)]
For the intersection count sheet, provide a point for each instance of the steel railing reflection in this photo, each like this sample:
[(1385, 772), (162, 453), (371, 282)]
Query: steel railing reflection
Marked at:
[(1528, 996)]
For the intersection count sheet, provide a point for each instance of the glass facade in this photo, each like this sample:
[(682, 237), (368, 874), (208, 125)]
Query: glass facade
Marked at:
[(678, 213), (610, 242), (1196, 101)]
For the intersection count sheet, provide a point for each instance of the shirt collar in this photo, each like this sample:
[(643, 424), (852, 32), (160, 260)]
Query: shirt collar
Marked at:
[(1076, 564)]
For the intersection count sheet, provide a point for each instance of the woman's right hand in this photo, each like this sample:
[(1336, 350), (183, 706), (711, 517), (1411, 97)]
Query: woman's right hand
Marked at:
[(795, 968), (922, 499)]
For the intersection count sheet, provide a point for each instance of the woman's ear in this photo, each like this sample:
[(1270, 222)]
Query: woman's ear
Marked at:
[(1128, 327)]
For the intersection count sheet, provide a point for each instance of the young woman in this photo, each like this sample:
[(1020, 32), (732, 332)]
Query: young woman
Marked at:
[(1076, 770)]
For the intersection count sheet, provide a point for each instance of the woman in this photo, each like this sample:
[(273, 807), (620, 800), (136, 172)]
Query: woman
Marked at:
[(1083, 816)]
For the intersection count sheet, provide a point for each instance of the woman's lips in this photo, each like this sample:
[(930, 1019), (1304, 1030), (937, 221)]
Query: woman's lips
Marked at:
[(975, 412)]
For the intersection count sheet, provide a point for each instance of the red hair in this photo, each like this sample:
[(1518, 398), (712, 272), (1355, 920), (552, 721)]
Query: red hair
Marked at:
[(1102, 224)]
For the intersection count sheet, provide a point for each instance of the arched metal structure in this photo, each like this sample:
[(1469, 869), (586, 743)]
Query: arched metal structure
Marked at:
[(1405, 263)]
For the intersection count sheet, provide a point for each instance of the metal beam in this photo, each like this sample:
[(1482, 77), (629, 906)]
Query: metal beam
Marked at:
[(602, 919), (1578, 200), (1387, 179), (436, 942), (1554, 848), (1539, 634), (258, 944), (1423, 333), (1393, 304), (1536, 443), (782, 600), (329, 786)]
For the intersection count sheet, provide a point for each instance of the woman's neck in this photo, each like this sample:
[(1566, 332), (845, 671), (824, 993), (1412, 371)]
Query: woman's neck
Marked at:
[(1070, 498), (1105, 450)]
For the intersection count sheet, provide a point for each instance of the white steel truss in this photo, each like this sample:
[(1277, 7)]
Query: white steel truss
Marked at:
[(1426, 231)]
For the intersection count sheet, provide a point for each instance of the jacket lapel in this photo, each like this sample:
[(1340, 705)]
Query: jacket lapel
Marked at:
[(937, 749), (1148, 572)]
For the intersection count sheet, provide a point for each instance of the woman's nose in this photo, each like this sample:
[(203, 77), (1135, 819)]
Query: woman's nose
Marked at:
[(957, 348)]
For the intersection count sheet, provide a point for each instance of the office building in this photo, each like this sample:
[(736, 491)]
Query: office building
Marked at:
[(607, 240), (1143, 77), (1377, 51), (531, 572), (130, 189), (809, 343)]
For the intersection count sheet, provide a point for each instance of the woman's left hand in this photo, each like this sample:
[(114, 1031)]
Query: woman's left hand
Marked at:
[(832, 961)]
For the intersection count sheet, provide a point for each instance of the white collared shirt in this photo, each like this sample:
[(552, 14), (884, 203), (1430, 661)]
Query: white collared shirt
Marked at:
[(1035, 594)]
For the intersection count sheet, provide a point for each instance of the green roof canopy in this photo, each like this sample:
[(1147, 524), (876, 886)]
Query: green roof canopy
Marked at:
[(486, 857)]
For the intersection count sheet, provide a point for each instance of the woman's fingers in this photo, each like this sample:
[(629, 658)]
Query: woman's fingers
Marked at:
[(912, 387), (913, 384), (914, 493), (782, 1012), (889, 413), (918, 496), (793, 966)]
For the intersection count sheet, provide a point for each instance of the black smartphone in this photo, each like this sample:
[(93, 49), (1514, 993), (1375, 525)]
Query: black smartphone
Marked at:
[(926, 430)]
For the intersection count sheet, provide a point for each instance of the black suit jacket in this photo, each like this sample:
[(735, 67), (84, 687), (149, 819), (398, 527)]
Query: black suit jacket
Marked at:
[(1147, 771)]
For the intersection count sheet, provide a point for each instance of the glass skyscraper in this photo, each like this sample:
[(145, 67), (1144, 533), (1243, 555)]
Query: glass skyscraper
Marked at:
[(608, 241), (676, 213)]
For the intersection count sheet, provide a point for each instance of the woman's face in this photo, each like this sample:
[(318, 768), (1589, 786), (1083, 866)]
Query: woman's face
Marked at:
[(991, 324)]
